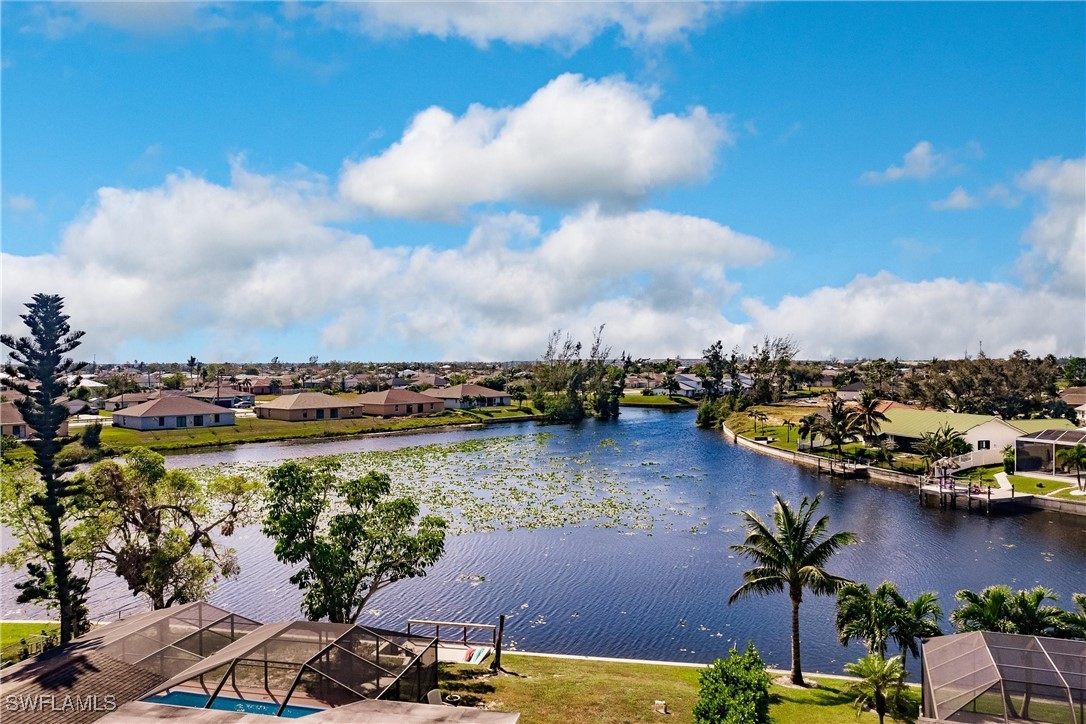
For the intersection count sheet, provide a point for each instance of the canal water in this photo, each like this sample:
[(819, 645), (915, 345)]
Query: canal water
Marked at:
[(652, 579)]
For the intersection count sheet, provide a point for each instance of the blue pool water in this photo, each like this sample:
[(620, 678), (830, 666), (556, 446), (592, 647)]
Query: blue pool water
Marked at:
[(224, 703)]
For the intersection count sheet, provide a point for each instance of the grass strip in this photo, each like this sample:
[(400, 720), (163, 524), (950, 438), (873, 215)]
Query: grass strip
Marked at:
[(558, 691)]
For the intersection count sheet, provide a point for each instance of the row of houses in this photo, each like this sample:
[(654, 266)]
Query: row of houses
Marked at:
[(172, 412)]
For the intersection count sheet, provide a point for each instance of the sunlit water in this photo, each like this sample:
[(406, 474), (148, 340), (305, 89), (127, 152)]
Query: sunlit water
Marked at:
[(661, 592)]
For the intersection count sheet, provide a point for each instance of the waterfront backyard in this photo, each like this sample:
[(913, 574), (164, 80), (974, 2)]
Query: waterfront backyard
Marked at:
[(611, 539)]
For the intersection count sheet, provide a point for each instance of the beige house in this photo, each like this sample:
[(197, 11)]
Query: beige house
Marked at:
[(172, 413), (13, 425), (394, 403), (308, 406), (128, 399), (468, 395)]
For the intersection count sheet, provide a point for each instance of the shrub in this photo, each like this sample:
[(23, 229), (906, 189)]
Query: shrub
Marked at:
[(1008, 460), (92, 436), (734, 690), (646, 392)]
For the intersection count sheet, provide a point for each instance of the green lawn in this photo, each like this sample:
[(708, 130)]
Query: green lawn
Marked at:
[(255, 429), (500, 412), (654, 401), (559, 691), (11, 632)]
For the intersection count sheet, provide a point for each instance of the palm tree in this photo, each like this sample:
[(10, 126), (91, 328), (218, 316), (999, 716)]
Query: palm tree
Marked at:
[(880, 684), (808, 427), (866, 416), (1074, 457), (1032, 617), (1074, 623), (921, 621), (996, 608), (791, 555), (989, 610), (838, 427), (869, 616)]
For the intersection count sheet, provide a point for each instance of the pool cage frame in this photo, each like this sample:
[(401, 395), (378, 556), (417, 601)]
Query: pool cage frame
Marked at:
[(335, 664), (169, 640), (989, 676)]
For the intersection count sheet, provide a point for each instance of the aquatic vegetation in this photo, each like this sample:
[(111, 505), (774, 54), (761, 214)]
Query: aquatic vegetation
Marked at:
[(515, 482)]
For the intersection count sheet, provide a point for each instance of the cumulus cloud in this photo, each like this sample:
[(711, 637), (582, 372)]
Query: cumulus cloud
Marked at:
[(573, 141), (262, 253), (1055, 256), (920, 162), (958, 200), (884, 315), (566, 25)]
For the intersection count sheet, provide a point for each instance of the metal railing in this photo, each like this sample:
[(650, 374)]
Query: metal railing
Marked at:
[(463, 638)]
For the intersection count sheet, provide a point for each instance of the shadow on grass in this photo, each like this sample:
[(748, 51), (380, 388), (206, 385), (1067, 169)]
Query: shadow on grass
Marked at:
[(471, 686), (815, 696)]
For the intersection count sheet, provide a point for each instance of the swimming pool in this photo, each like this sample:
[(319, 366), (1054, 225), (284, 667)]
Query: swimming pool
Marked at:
[(225, 703)]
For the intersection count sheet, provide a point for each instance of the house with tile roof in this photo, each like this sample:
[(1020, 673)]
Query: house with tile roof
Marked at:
[(397, 403), (467, 395), (308, 407), (172, 413), (13, 425)]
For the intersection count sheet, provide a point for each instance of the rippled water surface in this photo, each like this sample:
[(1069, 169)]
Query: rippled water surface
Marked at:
[(653, 579)]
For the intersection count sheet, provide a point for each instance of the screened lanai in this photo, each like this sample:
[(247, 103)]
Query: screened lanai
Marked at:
[(298, 667), (996, 677), (170, 640)]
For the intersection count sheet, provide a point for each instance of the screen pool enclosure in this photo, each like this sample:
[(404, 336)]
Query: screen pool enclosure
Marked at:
[(291, 669), (984, 676)]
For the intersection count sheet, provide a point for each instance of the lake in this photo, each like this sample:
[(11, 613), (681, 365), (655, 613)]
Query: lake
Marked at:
[(620, 535)]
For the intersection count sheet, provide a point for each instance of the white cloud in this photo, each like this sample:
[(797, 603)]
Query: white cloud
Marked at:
[(21, 203), (1056, 253), (887, 316), (958, 200), (148, 266), (574, 140), (920, 162), (566, 25), (1000, 194)]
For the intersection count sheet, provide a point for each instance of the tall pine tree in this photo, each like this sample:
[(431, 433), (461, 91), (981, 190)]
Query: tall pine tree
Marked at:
[(40, 359)]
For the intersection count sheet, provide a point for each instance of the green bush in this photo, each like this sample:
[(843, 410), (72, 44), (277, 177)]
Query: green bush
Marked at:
[(646, 392), (1008, 460), (92, 436), (734, 690)]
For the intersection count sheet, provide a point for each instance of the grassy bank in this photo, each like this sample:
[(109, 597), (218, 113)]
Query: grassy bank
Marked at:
[(558, 691), (255, 429), (655, 401)]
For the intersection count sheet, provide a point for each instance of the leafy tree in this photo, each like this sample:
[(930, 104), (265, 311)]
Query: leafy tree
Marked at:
[(734, 690), (671, 384), (715, 367), (791, 556), (1074, 371), (518, 392), (120, 385), (351, 538), (41, 358), (157, 529), (173, 382), (881, 683), (866, 416), (1074, 457), (81, 393), (275, 386), (457, 379)]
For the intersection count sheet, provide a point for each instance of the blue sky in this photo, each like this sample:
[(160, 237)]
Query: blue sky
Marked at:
[(453, 181)]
